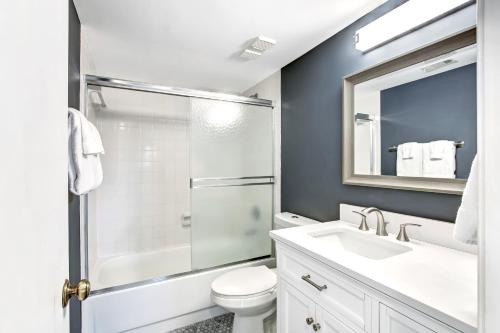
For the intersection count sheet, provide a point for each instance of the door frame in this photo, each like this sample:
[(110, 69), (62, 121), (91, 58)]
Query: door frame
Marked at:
[(489, 164)]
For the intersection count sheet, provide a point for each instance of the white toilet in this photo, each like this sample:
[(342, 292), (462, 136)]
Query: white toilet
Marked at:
[(250, 292)]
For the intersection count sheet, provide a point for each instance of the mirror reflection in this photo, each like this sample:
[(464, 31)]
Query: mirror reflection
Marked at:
[(419, 121)]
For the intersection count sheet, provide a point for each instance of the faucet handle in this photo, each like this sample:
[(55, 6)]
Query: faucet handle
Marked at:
[(363, 226), (360, 213), (402, 235)]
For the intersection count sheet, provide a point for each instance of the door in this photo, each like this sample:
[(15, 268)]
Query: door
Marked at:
[(329, 324), (34, 176), (392, 321), (296, 312)]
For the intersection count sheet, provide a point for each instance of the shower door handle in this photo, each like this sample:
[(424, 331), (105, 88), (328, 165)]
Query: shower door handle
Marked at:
[(186, 219), (80, 290)]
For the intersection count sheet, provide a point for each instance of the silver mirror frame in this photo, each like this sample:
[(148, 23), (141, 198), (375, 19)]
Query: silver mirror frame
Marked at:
[(437, 185)]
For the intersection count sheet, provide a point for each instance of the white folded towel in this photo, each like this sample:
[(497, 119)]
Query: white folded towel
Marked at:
[(437, 149), (411, 165), (465, 229), (91, 139), (408, 149), (442, 167), (85, 169)]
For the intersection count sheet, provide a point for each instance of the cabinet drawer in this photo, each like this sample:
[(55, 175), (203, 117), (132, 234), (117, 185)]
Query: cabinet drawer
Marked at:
[(342, 298)]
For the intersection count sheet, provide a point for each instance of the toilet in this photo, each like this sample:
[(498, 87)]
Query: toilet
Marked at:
[(250, 292)]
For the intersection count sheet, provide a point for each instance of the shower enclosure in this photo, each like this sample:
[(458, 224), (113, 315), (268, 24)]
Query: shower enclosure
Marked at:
[(188, 183)]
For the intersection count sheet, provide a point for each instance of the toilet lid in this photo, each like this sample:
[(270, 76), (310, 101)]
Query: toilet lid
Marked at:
[(245, 281)]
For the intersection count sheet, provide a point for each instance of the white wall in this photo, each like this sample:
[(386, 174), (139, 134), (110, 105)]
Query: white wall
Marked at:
[(489, 164), (270, 88), (34, 176)]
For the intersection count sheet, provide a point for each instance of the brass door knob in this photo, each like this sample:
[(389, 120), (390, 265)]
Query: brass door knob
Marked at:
[(309, 321), (80, 290)]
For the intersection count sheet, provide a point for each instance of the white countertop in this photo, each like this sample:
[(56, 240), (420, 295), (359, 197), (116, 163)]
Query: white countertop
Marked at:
[(435, 280)]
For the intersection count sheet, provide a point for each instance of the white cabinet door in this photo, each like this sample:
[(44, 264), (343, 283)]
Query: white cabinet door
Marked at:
[(296, 312), (392, 321), (329, 324)]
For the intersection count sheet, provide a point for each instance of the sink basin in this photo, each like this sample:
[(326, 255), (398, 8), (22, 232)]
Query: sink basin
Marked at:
[(365, 245)]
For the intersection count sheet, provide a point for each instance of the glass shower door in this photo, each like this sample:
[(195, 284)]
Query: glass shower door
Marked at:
[(135, 219), (231, 182)]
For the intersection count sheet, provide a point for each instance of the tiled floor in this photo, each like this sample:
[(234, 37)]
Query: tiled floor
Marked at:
[(219, 324)]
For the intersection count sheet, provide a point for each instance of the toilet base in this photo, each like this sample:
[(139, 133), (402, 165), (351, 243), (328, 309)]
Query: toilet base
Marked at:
[(251, 324)]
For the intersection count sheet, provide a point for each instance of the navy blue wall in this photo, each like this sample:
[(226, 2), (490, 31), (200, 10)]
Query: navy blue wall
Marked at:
[(439, 107), (312, 135)]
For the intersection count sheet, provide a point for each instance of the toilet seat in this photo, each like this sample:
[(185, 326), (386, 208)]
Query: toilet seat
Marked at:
[(239, 297), (245, 282), (250, 293)]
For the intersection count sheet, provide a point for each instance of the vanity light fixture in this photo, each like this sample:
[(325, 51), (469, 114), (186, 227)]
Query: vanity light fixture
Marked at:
[(406, 18), (437, 65)]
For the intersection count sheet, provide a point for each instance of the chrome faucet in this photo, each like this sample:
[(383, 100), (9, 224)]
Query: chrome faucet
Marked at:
[(381, 224), (363, 225)]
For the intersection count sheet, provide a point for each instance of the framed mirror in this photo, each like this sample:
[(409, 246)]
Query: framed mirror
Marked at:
[(410, 123)]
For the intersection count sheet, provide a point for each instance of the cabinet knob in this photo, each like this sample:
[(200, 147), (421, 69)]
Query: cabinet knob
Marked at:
[(316, 327), (309, 321)]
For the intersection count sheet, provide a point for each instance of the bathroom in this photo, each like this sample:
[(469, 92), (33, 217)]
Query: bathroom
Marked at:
[(250, 167)]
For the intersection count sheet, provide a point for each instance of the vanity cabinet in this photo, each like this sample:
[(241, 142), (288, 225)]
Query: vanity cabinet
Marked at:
[(297, 311), (401, 319), (392, 321), (298, 314), (313, 297)]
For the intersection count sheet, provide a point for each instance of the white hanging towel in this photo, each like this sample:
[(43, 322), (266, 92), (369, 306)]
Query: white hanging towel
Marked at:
[(465, 229), (439, 159), (409, 160), (85, 146)]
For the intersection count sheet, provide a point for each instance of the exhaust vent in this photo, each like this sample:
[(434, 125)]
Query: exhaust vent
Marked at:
[(250, 54), (262, 43), (259, 45)]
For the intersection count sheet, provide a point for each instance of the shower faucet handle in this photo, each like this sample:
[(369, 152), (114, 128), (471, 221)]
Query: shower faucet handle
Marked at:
[(363, 225)]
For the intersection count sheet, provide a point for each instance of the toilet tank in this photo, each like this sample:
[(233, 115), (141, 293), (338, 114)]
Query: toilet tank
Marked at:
[(288, 220)]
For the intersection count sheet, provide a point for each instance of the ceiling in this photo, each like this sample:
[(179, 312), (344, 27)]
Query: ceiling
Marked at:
[(196, 43)]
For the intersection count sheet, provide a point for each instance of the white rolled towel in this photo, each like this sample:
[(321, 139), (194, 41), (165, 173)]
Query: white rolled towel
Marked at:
[(465, 229)]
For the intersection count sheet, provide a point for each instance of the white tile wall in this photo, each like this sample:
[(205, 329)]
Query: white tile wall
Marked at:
[(145, 192)]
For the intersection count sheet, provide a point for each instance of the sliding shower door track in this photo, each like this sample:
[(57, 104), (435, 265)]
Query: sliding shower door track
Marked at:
[(154, 88)]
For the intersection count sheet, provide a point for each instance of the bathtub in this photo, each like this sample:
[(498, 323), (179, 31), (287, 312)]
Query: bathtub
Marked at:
[(127, 269), (158, 305)]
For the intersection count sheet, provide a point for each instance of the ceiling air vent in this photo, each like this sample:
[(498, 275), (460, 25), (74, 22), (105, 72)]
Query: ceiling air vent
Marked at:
[(250, 54), (259, 45), (262, 43)]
